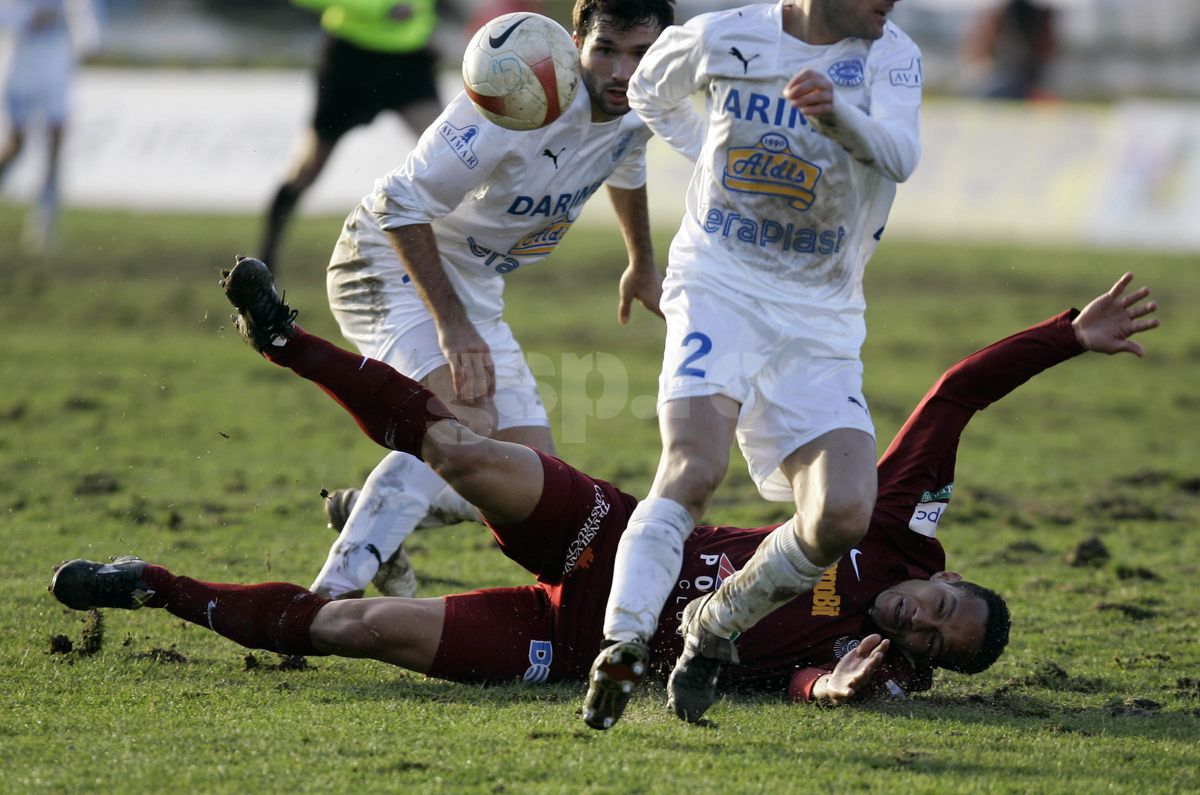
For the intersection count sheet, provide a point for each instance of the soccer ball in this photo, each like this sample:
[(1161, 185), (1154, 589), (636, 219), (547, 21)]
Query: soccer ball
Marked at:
[(521, 70)]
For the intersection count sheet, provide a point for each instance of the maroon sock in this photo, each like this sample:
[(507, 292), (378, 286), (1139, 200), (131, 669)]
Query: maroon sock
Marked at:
[(274, 616), (391, 408)]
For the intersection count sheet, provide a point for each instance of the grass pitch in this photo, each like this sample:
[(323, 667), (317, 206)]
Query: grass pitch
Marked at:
[(132, 419)]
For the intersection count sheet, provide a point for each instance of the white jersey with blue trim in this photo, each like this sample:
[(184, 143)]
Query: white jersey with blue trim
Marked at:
[(779, 208), (499, 199)]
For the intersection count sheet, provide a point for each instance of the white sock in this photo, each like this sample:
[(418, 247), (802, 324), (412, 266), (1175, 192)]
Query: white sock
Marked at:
[(776, 574), (394, 499), (648, 561)]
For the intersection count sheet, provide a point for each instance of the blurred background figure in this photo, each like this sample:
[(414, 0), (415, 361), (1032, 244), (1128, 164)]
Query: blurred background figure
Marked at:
[(43, 40), (1012, 44), (374, 57)]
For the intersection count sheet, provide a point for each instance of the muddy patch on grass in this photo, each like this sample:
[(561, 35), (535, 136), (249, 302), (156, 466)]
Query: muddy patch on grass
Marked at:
[(1132, 612), (292, 662), (1089, 552), (1136, 573), (1133, 707), (1126, 507), (97, 483), (157, 654), (1049, 675)]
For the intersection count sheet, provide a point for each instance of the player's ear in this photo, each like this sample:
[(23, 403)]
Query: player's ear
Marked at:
[(947, 577)]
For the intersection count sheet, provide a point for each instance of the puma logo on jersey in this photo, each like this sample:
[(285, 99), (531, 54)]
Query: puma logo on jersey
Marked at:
[(736, 53), (553, 156)]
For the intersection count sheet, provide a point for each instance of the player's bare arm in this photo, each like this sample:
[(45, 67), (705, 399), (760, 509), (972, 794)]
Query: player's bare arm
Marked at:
[(1107, 323), (852, 672), (468, 356), (642, 280)]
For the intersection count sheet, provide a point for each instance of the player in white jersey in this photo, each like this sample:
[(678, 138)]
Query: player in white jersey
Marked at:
[(812, 120), (417, 277), (38, 56)]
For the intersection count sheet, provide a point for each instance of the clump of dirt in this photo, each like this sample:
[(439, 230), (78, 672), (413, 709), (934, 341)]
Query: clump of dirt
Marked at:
[(1124, 506), (1136, 573), (97, 483), (1088, 552), (91, 638), (1152, 658), (1052, 676), (292, 662), (61, 644), (1187, 687), (160, 655), (1132, 612), (1136, 707), (13, 413)]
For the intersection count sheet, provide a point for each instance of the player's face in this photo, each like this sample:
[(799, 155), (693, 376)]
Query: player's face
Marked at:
[(933, 620), (607, 57), (859, 19)]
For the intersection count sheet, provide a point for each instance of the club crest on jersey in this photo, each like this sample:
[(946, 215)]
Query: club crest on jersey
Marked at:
[(770, 168), (910, 76), (622, 146), (543, 240), (848, 73), (461, 141), (929, 510), (844, 645)]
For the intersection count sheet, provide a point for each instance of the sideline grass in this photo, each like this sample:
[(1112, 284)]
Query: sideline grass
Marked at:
[(133, 420)]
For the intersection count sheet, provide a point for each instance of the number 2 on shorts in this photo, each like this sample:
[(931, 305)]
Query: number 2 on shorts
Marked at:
[(705, 345)]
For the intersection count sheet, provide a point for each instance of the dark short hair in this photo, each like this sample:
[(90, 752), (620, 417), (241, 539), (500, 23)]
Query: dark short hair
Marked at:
[(995, 630), (624, 14)]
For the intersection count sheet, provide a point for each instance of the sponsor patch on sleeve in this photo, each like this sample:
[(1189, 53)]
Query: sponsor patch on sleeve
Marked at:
[(929, 511)]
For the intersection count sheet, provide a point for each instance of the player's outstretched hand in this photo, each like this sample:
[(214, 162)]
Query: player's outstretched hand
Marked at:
[(642, 284), (1107, 323), (852, 673)]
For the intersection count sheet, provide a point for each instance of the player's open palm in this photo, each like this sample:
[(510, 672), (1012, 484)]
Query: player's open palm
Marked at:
[(852, 673), (1107, 323)]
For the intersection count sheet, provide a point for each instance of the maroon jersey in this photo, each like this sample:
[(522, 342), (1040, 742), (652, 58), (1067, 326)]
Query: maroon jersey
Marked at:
[(570, 543)]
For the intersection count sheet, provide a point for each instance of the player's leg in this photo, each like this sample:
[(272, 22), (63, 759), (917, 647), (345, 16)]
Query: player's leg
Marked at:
[(314, 154), (834, 482), (40, 224), (274, 616), (13, 144), (831, 479), (503, 480), (697, 433)]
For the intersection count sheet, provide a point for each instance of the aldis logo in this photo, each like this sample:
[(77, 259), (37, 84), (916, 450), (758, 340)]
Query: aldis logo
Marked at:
[(461, 140), (542, 241), (825, 598), (770, 169), (929, 510)]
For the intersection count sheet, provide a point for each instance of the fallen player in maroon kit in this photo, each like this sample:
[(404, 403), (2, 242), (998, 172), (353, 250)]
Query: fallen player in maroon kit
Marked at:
[(882, 618)]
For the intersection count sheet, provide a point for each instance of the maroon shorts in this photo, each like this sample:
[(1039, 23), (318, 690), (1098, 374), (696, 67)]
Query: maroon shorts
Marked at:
[(551, 630)]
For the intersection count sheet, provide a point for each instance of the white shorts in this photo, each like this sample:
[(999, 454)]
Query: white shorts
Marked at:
[(750, 351), (39, 80), (381, 313)]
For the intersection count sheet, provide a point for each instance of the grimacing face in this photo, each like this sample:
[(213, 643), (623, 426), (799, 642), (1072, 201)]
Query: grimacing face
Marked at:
[(608, 57), (933, 620)]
